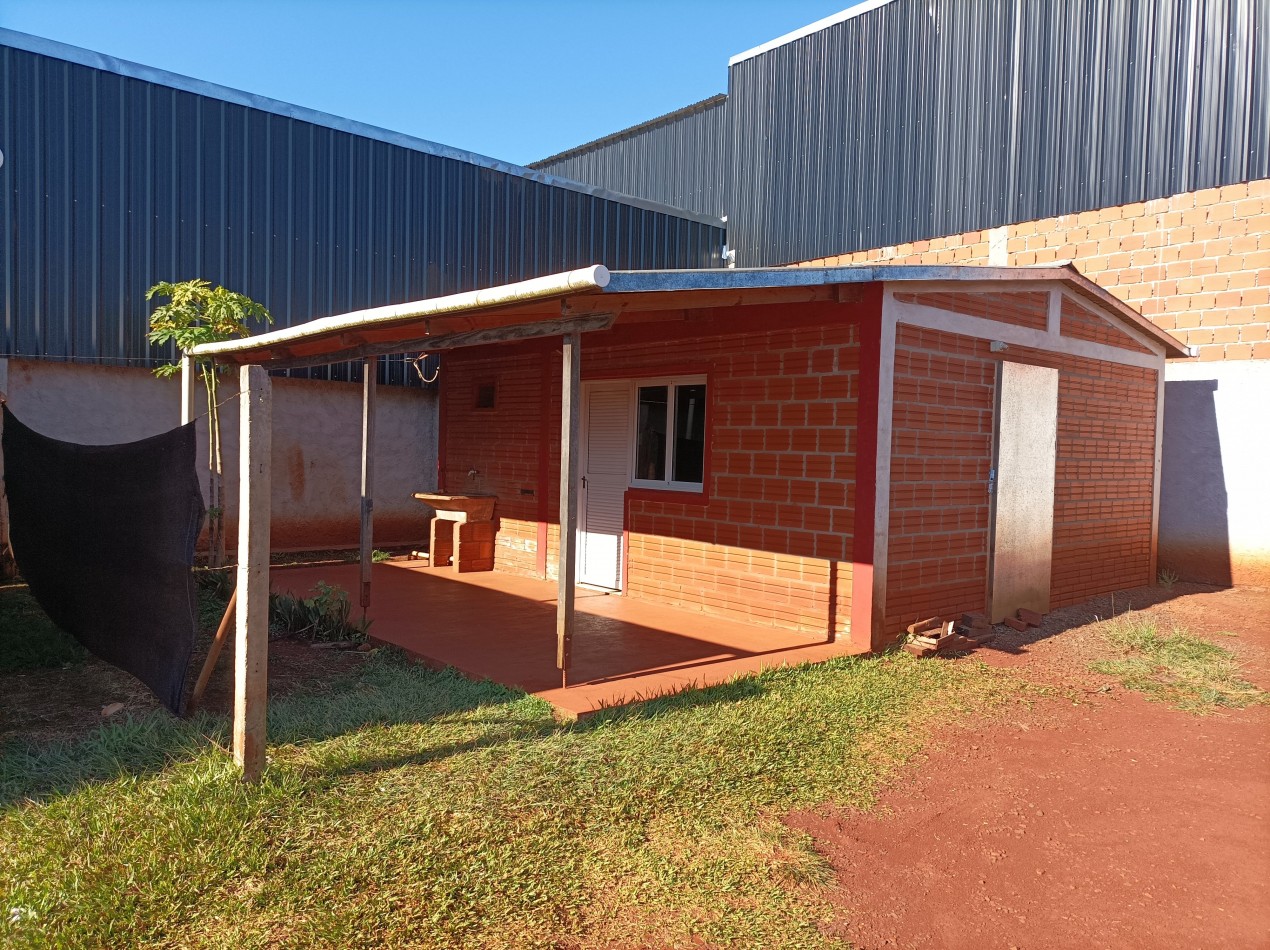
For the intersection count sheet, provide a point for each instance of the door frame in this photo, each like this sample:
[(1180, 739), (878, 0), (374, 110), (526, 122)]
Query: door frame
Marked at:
[(588, 389)]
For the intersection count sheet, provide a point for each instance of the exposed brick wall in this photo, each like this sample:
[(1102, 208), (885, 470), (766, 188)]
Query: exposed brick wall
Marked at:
[(501, 444), (1083, 324), (770, 540), (941, 450), (1196, 264), (1029, 309), (941, 445)]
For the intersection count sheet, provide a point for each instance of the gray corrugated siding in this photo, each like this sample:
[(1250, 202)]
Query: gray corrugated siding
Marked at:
[(932, 117), (110, 184), (679, 162)]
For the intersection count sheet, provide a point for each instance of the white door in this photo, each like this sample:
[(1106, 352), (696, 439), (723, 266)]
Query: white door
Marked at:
[(1023, 513), (606, 450)]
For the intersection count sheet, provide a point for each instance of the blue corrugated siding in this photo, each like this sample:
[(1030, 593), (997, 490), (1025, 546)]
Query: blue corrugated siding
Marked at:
[(679, 160), (111, 184), (932, 117)]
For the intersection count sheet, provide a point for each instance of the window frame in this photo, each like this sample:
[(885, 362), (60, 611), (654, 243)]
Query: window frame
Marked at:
[(672, 383)]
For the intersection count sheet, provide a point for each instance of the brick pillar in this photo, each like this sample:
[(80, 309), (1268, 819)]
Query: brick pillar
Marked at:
[(474, 546), (440, 542)]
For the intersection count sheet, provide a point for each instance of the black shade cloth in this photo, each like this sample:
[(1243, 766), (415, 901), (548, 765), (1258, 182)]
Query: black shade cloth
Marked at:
[(105, 536)]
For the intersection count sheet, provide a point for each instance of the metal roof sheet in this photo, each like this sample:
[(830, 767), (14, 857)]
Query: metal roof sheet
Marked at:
[(545, 299), (123, 67)]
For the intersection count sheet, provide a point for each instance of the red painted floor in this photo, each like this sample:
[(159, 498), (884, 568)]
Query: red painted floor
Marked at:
[(501, 627)]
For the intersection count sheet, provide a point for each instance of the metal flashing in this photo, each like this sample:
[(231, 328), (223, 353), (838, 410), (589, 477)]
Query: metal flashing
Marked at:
[(834, 18)]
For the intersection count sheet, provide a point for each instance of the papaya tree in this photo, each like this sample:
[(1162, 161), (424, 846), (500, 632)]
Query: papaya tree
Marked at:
[(200, 313)]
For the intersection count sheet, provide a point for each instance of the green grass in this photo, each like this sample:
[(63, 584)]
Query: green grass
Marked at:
[(1178, 668), (28, 639), (408, 807)]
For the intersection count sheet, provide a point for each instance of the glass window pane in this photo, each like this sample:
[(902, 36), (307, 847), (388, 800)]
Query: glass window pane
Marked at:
[(650, 446), (690, 433)]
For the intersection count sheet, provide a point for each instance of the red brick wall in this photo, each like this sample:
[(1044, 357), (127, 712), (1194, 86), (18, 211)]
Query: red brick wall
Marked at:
[(1197, 264), (941, 445), (502, 444), (941, 450), (770, 539)]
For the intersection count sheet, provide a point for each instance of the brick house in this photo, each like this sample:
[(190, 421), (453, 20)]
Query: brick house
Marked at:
[(832, 452), (818, 449)]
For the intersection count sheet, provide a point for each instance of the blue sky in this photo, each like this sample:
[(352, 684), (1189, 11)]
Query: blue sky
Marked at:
[(517, 81)]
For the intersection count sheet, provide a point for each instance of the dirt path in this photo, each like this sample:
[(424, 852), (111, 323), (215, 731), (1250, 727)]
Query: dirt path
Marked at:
[(1107, 821)]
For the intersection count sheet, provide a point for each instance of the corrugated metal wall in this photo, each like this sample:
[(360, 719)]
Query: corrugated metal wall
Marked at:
[(932, 117), (112, 183), (679, 159)]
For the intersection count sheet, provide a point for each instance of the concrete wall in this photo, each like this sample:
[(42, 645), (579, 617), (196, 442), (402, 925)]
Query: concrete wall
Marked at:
[(316, 442), (1214, 506), (1197, 265)]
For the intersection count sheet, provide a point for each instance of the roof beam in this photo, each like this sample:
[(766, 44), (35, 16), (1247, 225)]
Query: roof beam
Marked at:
[(431, 344), (709, 299)]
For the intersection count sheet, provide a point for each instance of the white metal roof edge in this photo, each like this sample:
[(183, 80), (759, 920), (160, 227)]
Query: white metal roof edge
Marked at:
[(583, 280), (122, 67), (773, 277), (834, 18), (598, 279)]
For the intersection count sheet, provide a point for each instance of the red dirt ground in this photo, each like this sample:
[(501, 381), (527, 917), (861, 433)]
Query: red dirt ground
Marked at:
[(1090, 819)]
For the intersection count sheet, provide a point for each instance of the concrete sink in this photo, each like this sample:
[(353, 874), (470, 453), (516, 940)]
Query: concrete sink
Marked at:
[(461, 508)]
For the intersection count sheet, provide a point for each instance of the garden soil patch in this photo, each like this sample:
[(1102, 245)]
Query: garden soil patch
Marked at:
[(1088, 817)]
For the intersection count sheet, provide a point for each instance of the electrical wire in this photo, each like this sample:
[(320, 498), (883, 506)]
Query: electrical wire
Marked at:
[(415, 363)]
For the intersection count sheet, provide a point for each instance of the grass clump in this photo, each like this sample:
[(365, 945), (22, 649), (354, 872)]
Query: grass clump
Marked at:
[(405, 807), (28, 639), (326, 617), (1179, 668)]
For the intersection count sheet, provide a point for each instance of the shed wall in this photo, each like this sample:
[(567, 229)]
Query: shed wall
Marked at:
[(941, 453), (770, 539)]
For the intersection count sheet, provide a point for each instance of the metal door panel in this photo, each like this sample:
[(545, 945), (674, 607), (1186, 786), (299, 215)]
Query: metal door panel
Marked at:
[(1023, 519)]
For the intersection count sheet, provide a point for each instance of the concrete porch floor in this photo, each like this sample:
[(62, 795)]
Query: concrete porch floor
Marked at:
[(502, 627)]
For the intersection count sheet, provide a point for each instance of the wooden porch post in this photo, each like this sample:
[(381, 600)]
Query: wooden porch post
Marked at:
[(251, 660), (569, 435), (369, 381)]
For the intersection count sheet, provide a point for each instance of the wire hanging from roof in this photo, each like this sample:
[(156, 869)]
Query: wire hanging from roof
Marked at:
[(419, 359)]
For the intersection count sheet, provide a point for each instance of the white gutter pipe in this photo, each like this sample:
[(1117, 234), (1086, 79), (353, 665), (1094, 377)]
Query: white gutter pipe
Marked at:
[(595, 277)]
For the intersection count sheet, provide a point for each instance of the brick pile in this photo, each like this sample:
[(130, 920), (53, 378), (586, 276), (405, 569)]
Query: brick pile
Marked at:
[(935, 636)]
